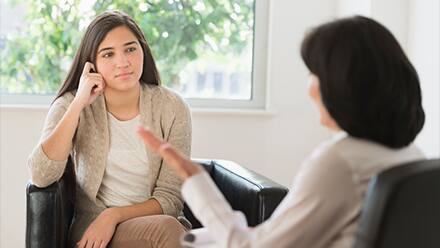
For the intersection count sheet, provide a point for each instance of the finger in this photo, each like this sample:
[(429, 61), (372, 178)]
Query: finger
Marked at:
[(95, 80), (177, 161), (104, 244), (95, 76), (97, 244), (89, 84), (94, 83), (81, 243), (99, 86), (96, 91), (162, 148), (171, 155), (89, 244), (150, 139), (87, 67), (93, 67)]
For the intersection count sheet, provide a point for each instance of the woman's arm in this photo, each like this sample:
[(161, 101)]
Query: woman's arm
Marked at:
[(323, 202), (48, 159), (149, 207), (44, 170), (101, 230), (59, 143)]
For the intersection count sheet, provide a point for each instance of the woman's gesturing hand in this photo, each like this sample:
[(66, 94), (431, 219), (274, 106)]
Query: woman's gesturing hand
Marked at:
[(100, 231), (91, 85), (183, 166)]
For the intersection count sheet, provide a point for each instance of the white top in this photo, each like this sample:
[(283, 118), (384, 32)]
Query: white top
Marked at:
[(321, 210), (125, 178)]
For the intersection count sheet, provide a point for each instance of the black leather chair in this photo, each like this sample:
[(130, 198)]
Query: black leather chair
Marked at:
[(402, 208), (50, 209)]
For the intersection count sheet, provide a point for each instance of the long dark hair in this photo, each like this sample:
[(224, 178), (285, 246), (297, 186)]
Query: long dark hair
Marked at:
[(367, 83), (95, 33)]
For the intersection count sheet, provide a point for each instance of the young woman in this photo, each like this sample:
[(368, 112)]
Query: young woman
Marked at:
[(364, 88), (124, 194)]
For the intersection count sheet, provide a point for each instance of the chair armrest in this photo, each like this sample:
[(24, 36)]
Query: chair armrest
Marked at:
[(249, 192), (49, 212)]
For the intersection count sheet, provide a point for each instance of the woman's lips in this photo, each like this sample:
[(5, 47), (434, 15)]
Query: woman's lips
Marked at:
[(125, 74)]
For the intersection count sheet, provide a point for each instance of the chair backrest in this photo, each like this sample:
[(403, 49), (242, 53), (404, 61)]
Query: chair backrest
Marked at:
[(255, 195), (402, 207)]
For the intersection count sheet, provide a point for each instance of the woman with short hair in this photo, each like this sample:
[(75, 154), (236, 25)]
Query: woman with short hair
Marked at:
[(366, 91)]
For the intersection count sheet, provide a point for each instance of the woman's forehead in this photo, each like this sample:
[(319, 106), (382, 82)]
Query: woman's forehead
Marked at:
[(118, 37)]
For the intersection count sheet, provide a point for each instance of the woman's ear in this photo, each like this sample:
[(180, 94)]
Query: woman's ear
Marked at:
[(314, 91)]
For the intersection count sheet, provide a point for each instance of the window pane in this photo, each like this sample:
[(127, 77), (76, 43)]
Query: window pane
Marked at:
[(202, 48)]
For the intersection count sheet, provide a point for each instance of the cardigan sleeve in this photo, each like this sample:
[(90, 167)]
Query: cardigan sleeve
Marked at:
[(178, 134), (43, 170)]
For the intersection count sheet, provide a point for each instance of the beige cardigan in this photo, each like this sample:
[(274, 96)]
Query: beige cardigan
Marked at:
[(160, 109)]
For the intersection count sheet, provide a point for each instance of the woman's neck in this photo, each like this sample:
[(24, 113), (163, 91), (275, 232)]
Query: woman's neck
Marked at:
[(124, 105)]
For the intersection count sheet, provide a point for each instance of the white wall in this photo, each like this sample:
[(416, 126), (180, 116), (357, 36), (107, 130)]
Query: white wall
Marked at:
[(274, 143), (424, 52)]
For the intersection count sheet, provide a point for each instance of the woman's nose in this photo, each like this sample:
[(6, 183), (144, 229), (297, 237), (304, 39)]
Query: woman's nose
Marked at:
[(122, 61)]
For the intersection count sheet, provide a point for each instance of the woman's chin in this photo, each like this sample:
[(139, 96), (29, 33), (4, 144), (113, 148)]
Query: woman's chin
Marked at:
[(326, 123), (330, 124), (123, 86)]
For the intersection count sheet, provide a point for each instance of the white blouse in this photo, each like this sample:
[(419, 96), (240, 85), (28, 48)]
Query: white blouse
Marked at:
[(125, 179), (322, 208)]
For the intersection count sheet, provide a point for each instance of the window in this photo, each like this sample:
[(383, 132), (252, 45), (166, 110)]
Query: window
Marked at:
[(212, 52)]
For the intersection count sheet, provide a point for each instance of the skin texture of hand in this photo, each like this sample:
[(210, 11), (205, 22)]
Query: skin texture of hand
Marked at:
[(183, 166), (91, 85), (100, 231)]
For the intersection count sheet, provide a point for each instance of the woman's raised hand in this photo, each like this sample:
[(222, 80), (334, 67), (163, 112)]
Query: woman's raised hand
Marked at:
[(183, 166), (91, 85)]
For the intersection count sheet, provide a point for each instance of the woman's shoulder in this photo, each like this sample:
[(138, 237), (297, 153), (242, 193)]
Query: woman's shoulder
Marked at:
[(63, 100), (325, 155), (326, 174), (329, 148), (327, 161)]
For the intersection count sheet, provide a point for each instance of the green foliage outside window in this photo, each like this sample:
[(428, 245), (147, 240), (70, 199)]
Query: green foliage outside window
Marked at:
[(36, 60)]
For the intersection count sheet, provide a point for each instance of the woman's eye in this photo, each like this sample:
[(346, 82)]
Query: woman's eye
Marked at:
[(107, 55), (131, 49)]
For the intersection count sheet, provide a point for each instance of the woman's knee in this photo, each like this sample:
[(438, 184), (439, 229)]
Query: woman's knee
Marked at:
[(157, 230), (168, 222)]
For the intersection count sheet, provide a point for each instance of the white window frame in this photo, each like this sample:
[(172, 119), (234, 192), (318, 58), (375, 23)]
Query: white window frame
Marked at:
[(259, 74)]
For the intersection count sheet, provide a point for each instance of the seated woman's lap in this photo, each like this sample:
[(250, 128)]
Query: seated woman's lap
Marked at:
[(154, 231)]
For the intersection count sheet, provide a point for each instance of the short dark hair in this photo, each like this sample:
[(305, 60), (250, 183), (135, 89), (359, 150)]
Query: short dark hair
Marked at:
[(367, 83), (95, 33)]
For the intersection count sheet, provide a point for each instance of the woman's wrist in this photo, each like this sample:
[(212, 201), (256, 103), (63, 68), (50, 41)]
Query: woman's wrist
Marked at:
[(77, 104), (114, 214), (192, 170)]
